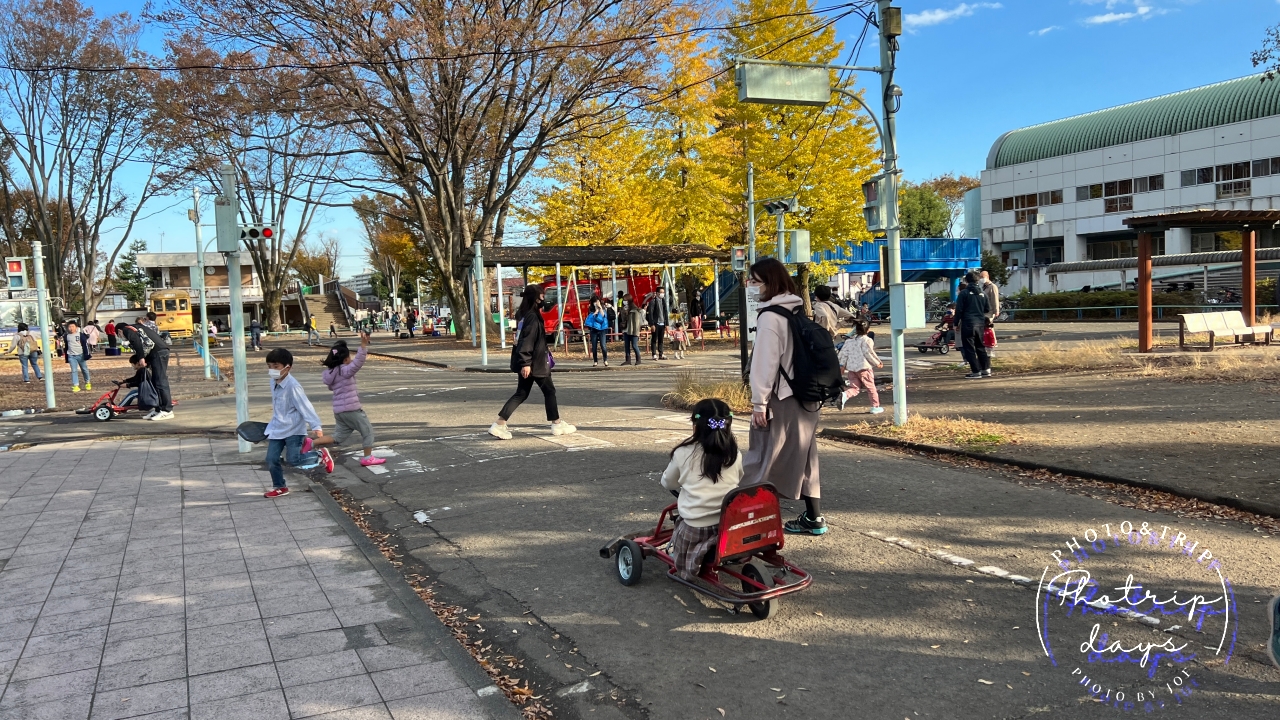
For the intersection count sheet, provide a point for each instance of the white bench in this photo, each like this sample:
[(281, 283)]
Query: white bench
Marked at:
[(1221, 325)]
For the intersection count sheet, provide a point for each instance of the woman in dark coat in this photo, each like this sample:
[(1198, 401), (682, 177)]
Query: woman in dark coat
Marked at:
[(531, 361)]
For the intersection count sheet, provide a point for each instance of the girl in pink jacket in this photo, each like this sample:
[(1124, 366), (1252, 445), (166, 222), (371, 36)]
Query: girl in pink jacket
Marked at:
[(340, 376)]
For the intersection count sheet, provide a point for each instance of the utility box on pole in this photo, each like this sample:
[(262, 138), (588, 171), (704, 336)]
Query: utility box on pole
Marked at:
[(798, 247), (906, 303), (226, 215)]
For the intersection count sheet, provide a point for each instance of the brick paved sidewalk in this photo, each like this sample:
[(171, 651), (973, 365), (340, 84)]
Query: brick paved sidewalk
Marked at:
[(140, 578)]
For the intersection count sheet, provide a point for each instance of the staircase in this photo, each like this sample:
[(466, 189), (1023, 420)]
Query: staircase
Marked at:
[(728, 296), (327, 309)]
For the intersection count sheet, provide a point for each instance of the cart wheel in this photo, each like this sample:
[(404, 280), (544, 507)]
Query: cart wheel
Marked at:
[(922, 349), (763, 609), (630, 563), (944, 349), (103, 413)]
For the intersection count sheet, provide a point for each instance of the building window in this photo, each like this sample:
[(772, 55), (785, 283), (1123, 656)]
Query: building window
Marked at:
[(1216, 241), (1022, 216), (1203, 242), (1048, 255), (1008, 204), (1261, 168), (1088, 192), (997, 206), (1025, 202), (1118, 204), (1234, 189), (1156, 182), (1055, 197)]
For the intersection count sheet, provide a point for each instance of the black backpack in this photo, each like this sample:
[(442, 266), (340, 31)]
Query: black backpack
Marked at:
[(817, 375)]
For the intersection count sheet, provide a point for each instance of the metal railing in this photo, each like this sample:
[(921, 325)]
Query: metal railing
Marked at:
[(1019, 313)]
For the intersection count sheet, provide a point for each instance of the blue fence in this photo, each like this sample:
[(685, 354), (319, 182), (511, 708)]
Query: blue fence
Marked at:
[(953, 254)]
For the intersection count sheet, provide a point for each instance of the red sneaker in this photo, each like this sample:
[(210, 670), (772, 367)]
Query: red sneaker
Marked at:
[(306, 445), (327, 459), (276, 492), (368, 460)]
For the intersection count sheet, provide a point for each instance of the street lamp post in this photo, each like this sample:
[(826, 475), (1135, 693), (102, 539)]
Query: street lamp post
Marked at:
[(204, 308)]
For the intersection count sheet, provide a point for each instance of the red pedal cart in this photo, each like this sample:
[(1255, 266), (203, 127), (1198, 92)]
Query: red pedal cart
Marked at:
[(107, 407), (746, 551)]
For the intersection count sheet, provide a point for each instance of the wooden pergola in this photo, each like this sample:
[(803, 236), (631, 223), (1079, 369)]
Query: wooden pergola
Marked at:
[(597, 255), (1246, 222)]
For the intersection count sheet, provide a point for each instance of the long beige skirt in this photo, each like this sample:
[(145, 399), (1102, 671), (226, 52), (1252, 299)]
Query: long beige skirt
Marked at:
[(786, 452)]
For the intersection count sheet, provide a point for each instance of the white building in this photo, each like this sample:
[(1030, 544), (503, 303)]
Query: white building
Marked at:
[(1212, 147)]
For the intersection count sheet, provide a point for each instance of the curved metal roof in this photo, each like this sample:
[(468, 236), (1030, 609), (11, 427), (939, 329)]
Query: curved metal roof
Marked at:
[(1232, 101), (1203, 258)]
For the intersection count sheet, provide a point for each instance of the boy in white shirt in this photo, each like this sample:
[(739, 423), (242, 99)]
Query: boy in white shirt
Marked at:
[(292, 416)]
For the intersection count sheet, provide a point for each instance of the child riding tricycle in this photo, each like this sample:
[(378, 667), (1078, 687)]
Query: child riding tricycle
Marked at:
[(716, 533), (944, 334)]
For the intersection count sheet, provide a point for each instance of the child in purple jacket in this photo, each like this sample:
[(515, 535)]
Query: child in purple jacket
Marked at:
[(340, 376)]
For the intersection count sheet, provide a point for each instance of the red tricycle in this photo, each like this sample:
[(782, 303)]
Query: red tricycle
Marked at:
[(746, 550), (107, 407), (942, 339)]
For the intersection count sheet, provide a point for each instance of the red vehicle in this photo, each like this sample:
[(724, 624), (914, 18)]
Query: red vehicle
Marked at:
[(110, 406), (746, 551), (577, 303)]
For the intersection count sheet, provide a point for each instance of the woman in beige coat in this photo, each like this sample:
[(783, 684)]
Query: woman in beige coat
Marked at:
[(783, 438)]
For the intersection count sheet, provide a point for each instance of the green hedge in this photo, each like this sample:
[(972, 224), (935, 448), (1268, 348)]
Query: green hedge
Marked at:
[(1067, 301)]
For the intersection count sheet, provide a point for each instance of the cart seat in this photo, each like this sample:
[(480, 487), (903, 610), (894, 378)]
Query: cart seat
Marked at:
[(750, 521)]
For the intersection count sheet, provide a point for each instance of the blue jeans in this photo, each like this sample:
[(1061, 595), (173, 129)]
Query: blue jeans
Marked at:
[(631, 341), (598, 338), (34, 359), (78, 365), (291, 447)]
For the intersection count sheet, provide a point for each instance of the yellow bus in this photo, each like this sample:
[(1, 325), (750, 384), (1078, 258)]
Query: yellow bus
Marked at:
[(173, 311)]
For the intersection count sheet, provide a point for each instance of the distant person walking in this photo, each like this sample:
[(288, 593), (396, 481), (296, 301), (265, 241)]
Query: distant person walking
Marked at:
[(255, 333), (783, 439), (313, 335), (95, 333), (972, 309), (659, 316), (27, 347), (597, 323), (411, 321), (828, 314), (632, 324), (532, 363), (110, 330), (992, 293), (76, 344)]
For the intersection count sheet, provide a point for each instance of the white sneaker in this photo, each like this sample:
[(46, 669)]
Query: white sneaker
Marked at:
[(500, 431), (562, 428), (151, 414), (163, 415)]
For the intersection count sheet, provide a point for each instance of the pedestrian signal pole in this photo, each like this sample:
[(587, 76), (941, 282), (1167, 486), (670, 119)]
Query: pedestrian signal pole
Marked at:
[(227, 213), (43, 317)]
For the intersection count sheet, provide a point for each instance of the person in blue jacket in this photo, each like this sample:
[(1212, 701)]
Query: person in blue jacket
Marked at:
[(597, 323)]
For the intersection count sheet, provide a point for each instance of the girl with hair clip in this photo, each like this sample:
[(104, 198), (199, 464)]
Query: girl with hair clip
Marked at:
[(340, 368), (703, 470)]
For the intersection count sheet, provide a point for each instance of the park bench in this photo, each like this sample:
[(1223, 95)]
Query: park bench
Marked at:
[(1220, 325)]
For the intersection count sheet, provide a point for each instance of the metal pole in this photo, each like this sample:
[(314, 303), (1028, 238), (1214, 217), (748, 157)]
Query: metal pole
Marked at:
[(782, 230), (715, 284), (229, 195), (751, 218), (204, 308), (502, 311), (560, 311), (471, 308), (43, 317), (893, 240), (613, 292), (482, 306)]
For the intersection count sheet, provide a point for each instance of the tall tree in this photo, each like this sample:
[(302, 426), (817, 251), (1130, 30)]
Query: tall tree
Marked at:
[(952, 188), (455, 100), (131, 278), (70, 127), (228, 108), (315, 260), (922, 212), (388, 239)]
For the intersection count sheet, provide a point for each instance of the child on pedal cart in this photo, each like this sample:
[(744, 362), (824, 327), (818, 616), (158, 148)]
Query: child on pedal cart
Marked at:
[(703, 470)]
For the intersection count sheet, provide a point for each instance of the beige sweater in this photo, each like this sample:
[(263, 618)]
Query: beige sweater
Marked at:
[(772, 351), (700, 499)]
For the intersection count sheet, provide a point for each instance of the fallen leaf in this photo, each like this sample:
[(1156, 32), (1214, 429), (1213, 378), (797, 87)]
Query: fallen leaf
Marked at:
[(1024, 672), (935, 647), (780, 697), (776, 689), (711, 669), (819, 614), (721, 711), (473, 618), (568, 665), (595, 673), (985, 682), (1008, 686)]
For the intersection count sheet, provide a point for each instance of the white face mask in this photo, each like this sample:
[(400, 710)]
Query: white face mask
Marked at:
[(23, 333), (273, 373)]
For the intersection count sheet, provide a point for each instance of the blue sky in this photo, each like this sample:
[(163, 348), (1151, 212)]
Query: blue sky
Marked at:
[(969, 72)]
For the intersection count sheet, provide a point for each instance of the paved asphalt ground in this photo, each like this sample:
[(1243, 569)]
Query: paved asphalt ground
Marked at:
[(885, 631)]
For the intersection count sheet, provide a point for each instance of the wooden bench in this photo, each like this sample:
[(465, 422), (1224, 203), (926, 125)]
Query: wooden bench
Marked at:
[(1220, 325)]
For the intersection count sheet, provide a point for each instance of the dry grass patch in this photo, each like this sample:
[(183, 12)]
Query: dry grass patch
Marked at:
[(1053, 356), (692, 387), (956, 432), (1232, 365)]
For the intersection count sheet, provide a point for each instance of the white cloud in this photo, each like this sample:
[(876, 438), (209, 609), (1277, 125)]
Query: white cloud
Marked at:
[(937, 16), (1141, 10), (1045, 31)]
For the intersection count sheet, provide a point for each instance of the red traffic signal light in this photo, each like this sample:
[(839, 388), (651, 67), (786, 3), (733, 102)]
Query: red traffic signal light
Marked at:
[(253, 232), (266, 232)]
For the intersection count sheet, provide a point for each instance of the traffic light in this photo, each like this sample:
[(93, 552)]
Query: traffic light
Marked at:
[(873, 211), (249, 233), (779, 207), (738, 257), (15, 269)]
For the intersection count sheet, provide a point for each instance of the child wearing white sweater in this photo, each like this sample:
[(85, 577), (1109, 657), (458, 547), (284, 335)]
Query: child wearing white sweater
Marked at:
[(702, 471), (856, 357)]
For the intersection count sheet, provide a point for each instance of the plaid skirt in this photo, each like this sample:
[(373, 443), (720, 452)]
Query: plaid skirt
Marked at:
[(690, 546)]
